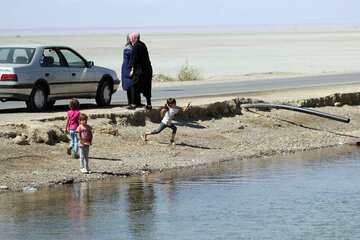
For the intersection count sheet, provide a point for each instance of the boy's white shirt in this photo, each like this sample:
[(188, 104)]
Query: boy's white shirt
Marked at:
[(169, 115)]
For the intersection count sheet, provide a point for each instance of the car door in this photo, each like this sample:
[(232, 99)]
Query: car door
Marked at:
[(55, 73), (82, 77)]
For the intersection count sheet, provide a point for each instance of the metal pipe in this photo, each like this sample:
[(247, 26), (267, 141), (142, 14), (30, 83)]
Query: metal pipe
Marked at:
[(297, 109)]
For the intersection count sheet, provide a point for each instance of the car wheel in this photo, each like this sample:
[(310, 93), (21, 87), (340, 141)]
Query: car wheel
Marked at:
[(38, 99), (50, 104), (104, 94)]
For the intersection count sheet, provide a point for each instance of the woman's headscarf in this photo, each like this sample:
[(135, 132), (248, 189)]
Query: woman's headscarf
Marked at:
[(128, 43), (134, 37)]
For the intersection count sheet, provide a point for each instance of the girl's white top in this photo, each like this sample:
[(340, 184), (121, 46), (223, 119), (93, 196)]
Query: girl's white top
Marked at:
[(169, 115)]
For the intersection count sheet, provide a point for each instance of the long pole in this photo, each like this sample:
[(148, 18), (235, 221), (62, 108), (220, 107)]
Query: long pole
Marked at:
[(297, 109)]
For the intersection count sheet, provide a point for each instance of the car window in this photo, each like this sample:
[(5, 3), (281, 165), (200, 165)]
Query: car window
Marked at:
[(16, 55), (51, 58), (20, 56), (72, 59), (4, 55)]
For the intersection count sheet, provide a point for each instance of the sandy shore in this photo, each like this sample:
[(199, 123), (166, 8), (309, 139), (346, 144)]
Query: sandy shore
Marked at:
[(214, 130)]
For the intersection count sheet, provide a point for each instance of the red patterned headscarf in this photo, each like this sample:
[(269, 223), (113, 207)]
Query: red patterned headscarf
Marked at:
[(134, 37)]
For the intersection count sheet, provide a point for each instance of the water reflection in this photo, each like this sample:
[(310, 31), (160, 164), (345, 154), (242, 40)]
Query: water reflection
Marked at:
[(79, 202), (141, 207), (297, 196), (79, 210)]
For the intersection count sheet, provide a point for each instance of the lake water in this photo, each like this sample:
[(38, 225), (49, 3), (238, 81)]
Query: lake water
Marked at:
[(313, 195)]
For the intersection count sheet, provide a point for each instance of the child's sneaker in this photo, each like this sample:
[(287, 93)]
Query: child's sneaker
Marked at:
[(68, 150), (172, 143), (83, 170), (89, 171), (143, 137)]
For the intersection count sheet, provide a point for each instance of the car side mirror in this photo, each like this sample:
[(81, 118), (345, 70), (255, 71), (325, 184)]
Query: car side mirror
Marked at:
[(90, 64)]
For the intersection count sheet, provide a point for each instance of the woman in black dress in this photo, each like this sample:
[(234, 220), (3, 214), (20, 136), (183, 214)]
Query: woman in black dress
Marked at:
[(141, 71)]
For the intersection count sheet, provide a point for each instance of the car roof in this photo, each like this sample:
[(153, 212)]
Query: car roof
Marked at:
[(32, 45)]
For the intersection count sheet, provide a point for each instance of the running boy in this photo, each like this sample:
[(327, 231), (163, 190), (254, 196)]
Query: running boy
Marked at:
[(168, 114)]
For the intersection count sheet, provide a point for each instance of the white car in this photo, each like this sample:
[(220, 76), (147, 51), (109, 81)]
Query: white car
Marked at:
[(42, 74)]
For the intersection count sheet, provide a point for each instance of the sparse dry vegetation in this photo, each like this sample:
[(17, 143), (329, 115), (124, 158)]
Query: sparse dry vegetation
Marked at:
[(186, 73)]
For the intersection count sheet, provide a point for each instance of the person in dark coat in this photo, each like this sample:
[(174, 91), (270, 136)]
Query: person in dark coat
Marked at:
[(126, 81), (141, 71)]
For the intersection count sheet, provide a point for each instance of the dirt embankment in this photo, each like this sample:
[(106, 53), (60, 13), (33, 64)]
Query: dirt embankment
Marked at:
[(33, 151)]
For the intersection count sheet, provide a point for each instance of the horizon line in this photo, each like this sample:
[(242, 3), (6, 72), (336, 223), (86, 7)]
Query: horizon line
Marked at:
[(174, 29)]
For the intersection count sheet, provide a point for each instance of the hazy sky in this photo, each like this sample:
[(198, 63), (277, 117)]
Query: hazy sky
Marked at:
[(157, 13)]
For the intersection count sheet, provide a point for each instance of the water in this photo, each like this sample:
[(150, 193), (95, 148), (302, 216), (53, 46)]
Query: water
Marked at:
[(313, 195)]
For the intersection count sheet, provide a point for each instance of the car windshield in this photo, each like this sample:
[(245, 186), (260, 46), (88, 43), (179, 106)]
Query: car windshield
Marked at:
[(14, 55)]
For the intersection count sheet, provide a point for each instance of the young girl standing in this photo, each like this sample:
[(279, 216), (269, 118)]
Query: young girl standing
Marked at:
[(168, 114), (72, 122), (84, 133)]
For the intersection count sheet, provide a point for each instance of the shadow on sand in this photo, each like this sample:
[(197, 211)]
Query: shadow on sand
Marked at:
[(105, 159), (191, 124)]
